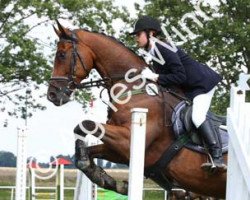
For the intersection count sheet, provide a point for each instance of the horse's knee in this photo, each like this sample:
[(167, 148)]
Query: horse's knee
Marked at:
[(87, 127), (83, 127)]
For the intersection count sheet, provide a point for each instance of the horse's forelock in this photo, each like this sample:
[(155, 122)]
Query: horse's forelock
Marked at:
[(68, 37)]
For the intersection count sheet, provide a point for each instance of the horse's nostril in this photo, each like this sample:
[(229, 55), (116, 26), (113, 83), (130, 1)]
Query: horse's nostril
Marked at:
[(52, 96)]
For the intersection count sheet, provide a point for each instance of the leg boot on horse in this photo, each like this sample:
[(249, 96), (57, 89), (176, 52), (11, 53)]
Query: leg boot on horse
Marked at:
[(211, 139)]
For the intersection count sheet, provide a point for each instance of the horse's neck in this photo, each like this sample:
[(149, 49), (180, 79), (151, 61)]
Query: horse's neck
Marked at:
[(112, 59)]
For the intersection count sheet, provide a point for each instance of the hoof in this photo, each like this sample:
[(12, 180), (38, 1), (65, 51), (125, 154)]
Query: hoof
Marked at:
[(122, 188)]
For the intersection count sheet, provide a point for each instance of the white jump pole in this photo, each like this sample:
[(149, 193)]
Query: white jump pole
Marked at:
[(21, 164), (137, 153), (85, 189), (60, 183), (32, 185)]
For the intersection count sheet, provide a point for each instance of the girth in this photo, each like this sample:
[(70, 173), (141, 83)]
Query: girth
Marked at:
[(156, 172)]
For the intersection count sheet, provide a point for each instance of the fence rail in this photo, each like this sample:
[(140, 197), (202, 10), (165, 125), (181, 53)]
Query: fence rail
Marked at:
[(238, 121)]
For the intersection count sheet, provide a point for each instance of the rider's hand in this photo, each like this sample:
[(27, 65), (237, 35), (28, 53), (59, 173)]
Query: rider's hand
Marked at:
[(148, 74)]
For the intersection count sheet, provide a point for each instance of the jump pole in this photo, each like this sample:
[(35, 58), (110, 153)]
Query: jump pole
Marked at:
[(21, 164), (137, 153), (60, 183)]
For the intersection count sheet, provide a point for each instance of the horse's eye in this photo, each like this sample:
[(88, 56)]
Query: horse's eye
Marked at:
[(61, 55)]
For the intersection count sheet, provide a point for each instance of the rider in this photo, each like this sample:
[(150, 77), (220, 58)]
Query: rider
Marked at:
[(179, 69)]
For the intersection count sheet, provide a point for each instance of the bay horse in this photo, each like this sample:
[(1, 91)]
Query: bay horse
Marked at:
[(78, 52)]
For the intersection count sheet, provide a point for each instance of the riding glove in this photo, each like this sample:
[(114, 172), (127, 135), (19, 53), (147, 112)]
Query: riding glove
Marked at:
[(148, 74)]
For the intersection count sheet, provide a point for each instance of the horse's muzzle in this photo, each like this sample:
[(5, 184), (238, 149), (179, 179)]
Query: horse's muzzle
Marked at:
[(58, 94)]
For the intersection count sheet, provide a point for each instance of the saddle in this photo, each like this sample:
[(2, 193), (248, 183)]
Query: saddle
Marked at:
[(186, 136), (182, 124)]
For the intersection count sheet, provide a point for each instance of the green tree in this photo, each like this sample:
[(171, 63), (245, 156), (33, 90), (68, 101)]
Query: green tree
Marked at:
[(223, 42), (23, 64), (7, 159)]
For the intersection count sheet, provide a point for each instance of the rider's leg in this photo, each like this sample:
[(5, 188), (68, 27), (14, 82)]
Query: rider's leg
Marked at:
[(201, 104)]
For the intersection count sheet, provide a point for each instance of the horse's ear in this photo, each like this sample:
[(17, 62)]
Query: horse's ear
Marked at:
[(62, 31), (57, 31)]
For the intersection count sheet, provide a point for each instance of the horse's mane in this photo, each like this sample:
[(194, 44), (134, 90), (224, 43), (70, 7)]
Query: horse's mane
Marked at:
[(114, 39)]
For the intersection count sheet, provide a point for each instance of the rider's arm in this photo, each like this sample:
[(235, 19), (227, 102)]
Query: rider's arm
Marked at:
[(176, 74)]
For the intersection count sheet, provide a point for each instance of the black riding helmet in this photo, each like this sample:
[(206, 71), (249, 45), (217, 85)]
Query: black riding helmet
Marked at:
[(146, 23)]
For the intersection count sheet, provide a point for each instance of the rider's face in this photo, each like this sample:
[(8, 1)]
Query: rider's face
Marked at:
[(141, 39)]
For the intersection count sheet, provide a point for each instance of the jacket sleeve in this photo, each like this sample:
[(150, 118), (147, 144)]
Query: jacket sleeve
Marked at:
[(176, 72)]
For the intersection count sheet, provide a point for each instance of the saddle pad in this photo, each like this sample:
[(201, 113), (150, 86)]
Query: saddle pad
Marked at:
[(179, 129)]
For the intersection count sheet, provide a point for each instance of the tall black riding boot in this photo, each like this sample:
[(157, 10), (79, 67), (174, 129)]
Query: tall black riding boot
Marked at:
[(211, 139)]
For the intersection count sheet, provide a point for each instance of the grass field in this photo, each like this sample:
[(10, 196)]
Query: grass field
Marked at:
[(7, 178)]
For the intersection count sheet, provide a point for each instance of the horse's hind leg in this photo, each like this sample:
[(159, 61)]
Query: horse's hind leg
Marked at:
[(84, 161)]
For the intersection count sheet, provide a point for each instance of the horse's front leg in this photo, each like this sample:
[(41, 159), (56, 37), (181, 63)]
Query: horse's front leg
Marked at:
[(85, 155), (84, 161), (115, 138), (102, 151)]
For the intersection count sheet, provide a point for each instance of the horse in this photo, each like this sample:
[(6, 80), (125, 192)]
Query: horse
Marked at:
[(78, 52)]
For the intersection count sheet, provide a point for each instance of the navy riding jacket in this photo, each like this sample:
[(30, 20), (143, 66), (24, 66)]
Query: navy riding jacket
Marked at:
[(181, 70)]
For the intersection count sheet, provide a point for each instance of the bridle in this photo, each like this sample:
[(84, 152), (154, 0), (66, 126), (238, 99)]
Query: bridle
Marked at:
[(71, 83)]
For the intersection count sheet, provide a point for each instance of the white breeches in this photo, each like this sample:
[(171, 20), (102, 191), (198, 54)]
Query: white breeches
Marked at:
[(201, 104)]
